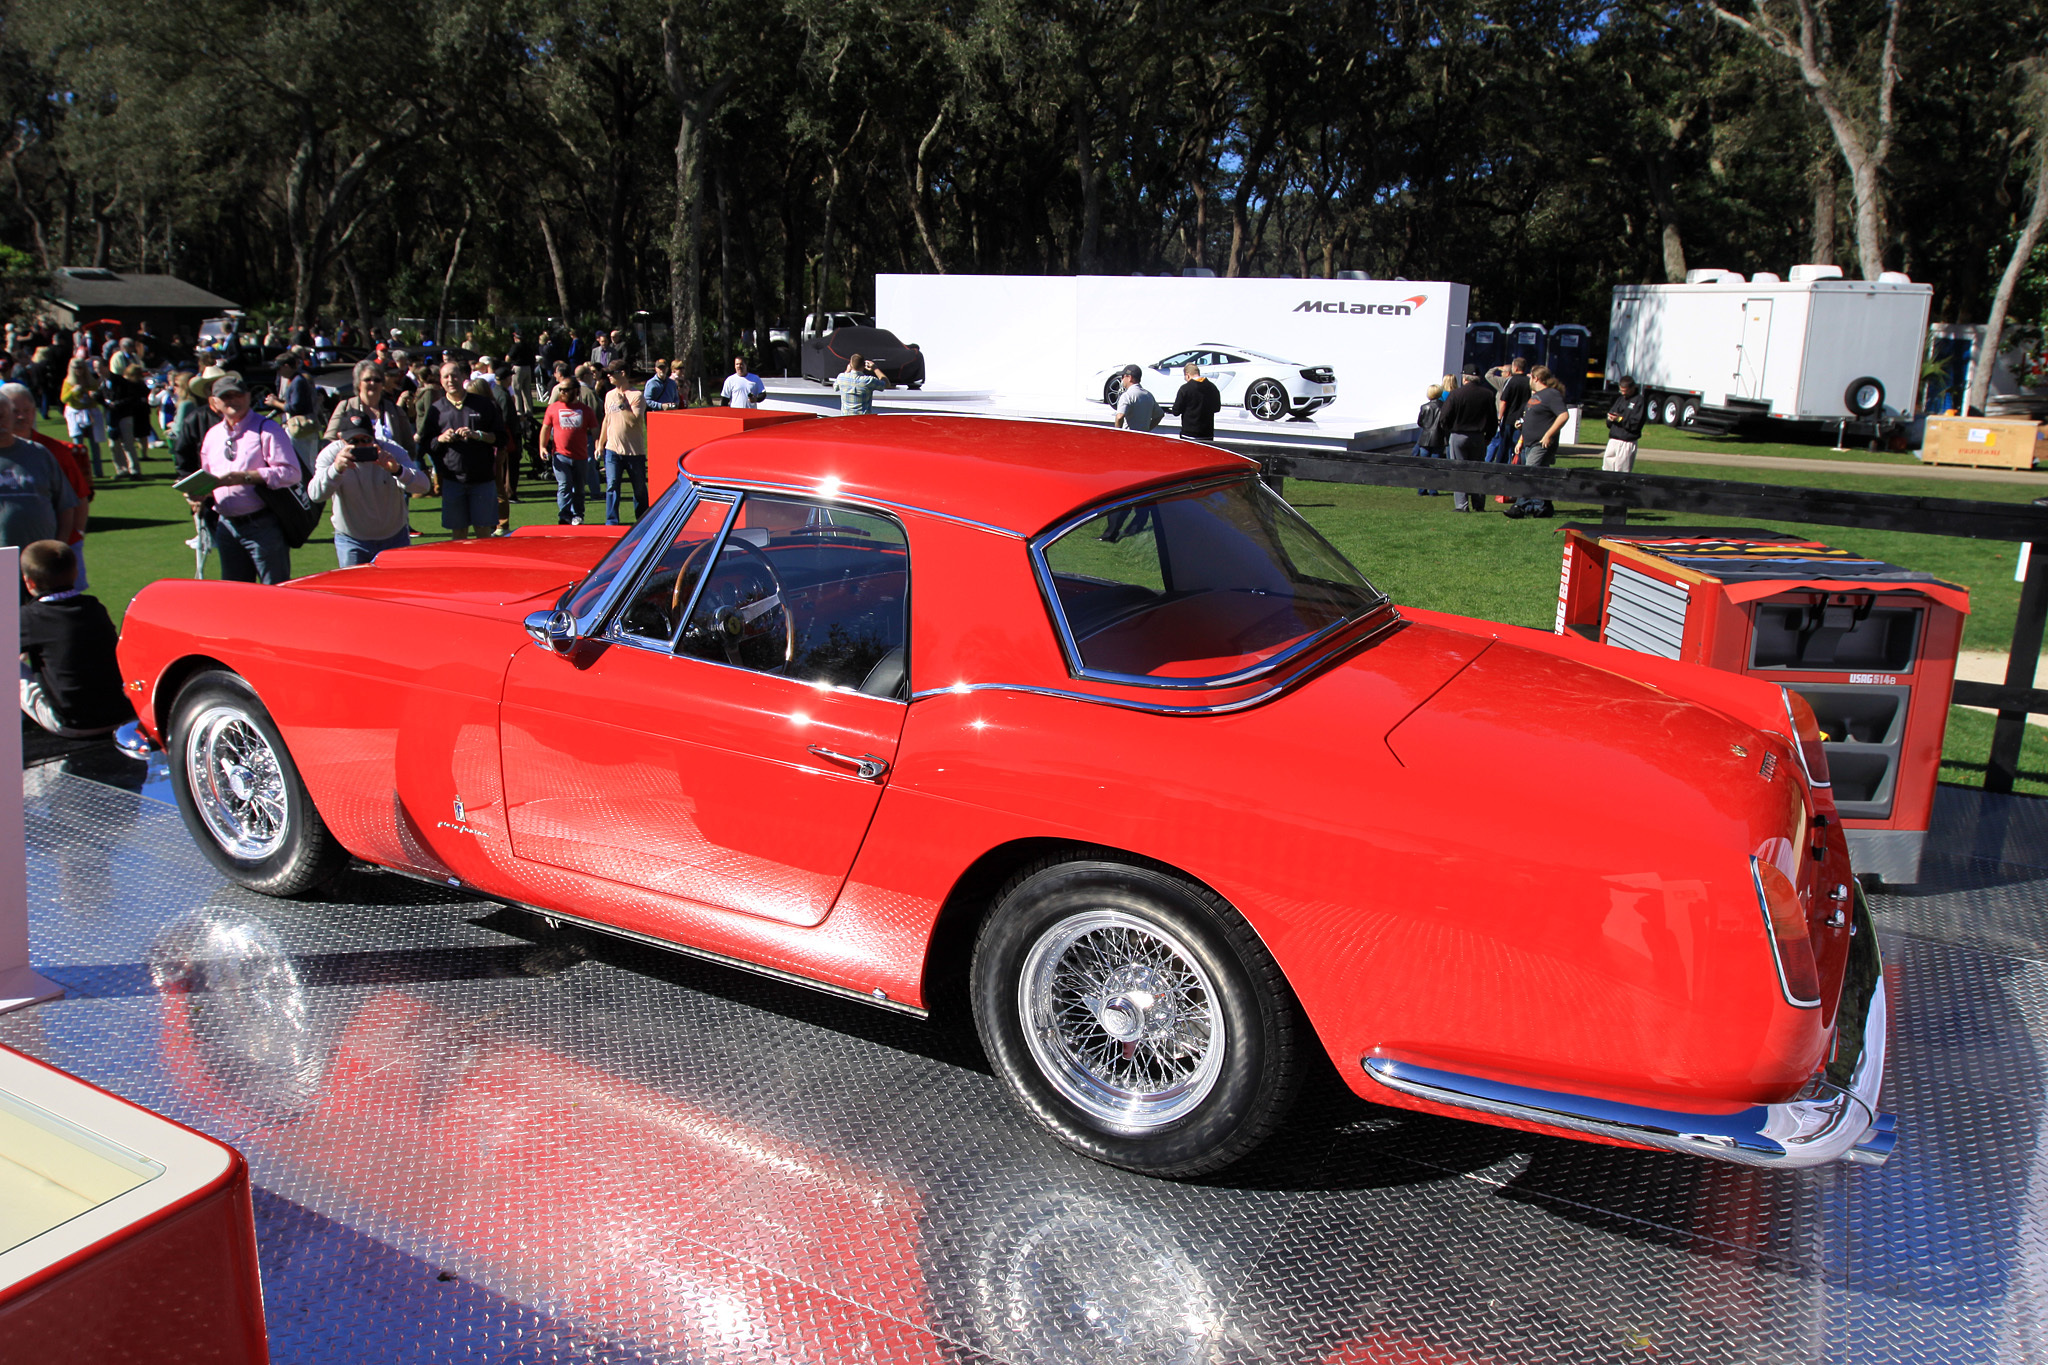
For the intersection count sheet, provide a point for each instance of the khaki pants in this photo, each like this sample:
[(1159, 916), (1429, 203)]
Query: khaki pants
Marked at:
[(1620, 457)]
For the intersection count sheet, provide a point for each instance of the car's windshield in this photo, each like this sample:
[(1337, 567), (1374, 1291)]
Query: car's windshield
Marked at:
[(1204, 585)]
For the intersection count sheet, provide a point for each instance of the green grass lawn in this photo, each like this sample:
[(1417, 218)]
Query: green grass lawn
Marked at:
[(139, 527), (1412, 547), (1593, 431)]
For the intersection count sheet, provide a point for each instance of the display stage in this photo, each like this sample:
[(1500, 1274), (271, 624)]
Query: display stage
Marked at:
[(477, 1139), (1247, 435)]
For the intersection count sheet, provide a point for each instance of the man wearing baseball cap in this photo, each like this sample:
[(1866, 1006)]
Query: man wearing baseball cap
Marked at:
[(243, 450), (369, 482)]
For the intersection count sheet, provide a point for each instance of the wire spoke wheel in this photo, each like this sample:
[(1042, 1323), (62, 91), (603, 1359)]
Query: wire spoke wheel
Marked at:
[(237, 783), (1121, 1019)]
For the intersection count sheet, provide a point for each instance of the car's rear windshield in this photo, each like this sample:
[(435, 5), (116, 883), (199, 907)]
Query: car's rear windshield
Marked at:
[(1197, 587)]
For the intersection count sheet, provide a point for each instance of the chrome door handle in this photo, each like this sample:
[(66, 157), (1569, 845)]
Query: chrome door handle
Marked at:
[(867, 765)]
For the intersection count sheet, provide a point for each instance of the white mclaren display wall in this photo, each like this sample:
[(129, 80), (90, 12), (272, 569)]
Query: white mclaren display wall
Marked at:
[(1044, 341)]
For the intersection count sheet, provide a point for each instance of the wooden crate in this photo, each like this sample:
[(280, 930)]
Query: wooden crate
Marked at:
[(2000, 442)]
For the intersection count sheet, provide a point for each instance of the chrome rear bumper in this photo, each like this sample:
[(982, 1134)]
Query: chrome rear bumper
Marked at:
[(1834, 1118)]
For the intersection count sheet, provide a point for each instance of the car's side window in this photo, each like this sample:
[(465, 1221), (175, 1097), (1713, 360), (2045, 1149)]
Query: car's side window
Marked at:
[(809, 591), (1174, 362), (656, 607)]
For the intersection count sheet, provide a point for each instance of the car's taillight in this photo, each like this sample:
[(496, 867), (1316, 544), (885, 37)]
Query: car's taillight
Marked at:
[(1806, 738), (1320, 374), (1785, 920)]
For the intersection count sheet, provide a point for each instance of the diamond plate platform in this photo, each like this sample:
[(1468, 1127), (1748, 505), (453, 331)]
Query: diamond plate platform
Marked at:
[(480, 1140)]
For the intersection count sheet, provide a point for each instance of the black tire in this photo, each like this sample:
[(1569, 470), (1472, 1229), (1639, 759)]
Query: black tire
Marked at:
[(1267, 400), (1653, 409), (1231, 1096), (1669, 416), (1112, 388), (1688, 412), (1864, 397), (288, 848)]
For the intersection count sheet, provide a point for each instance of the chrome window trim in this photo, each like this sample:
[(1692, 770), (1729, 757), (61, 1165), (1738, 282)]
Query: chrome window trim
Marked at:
[(673, 649), (732, 513), (859, 500), (613, 632), (1156, 708), (628, 577), (1063, 629)]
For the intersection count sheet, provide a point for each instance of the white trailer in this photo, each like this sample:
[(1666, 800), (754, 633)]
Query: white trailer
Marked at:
[(1813, 348)]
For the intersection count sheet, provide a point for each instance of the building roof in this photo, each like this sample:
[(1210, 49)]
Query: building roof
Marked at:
[(1015, 475), (85, 289)]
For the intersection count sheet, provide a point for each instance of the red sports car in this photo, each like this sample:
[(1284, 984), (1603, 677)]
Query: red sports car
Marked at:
[(1093, 732)]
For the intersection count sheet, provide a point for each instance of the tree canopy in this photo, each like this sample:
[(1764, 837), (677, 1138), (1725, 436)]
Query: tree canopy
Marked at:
[(744, 163)]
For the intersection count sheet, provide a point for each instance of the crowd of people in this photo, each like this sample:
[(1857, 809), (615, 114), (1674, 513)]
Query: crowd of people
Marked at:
[(1515, 414)]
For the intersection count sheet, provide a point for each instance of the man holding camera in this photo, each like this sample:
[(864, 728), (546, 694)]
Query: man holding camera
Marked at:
[(857, 385), (370, 482), (461, 432)]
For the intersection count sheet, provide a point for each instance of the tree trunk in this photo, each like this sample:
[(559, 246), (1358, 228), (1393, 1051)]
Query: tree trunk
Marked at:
[(1864, 151), (2022, 252), (1089, 170), (918, 191), (694, 103), (725, 347), (1821, 250), (447, 279), (547, 237), (831, 200), (355, 289)]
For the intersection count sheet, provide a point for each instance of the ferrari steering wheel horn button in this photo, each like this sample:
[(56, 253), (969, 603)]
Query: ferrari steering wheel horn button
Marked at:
[(867, 765)]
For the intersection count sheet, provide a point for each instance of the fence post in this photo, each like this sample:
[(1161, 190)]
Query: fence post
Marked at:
[(2003, 766)]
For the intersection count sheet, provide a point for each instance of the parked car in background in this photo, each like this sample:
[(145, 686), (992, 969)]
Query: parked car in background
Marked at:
[(826, 356), (1265, 386), (1142, 771)]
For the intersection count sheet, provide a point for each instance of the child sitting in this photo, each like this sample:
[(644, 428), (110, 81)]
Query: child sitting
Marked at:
[(70, 682)]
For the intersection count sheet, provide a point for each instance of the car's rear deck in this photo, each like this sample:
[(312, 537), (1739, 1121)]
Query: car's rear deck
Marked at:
[(479, 1140)]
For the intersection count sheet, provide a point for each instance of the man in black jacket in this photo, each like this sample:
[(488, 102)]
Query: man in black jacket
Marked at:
[(1196, 405), (1469, 417), (1624, 428)]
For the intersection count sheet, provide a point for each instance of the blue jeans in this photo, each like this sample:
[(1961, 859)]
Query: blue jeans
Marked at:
[(618, 467), (1498, 448), (352, 552), (252, 549), (469, 504), (570, 477)]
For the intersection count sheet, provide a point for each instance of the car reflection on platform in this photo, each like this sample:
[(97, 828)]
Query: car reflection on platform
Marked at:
[(728, 1217)]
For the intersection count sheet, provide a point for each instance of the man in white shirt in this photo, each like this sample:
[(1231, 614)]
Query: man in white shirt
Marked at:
[(743, 390)]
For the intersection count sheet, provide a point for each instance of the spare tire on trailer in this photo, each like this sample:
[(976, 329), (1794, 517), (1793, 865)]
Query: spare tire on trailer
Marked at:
[(1864, 397)]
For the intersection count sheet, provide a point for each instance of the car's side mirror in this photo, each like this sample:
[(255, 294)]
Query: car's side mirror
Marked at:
[(554, 631)]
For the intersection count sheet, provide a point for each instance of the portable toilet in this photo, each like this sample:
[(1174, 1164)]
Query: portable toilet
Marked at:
[(1569, 344), (1485, 346), (1525, 340), (1869, 645)]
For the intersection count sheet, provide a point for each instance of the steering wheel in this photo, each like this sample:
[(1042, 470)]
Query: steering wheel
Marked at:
[(745, 601)]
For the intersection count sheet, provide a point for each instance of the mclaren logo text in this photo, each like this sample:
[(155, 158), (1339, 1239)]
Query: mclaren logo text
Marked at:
[(1398, 310)]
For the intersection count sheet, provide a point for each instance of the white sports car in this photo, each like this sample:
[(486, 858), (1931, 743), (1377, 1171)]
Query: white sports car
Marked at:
[(1265, 386)]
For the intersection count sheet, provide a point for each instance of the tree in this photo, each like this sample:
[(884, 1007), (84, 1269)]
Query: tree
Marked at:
[(1864, 136), (2036, 104)]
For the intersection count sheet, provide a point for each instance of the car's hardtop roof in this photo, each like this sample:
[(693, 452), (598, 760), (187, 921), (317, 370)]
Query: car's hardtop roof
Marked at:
[(1017, 476)]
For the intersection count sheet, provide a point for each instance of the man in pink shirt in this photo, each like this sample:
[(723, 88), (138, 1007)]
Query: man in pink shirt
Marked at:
[(244, 450)]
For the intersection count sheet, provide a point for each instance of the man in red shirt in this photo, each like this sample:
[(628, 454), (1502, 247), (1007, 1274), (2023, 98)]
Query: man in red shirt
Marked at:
[(565, 431)]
